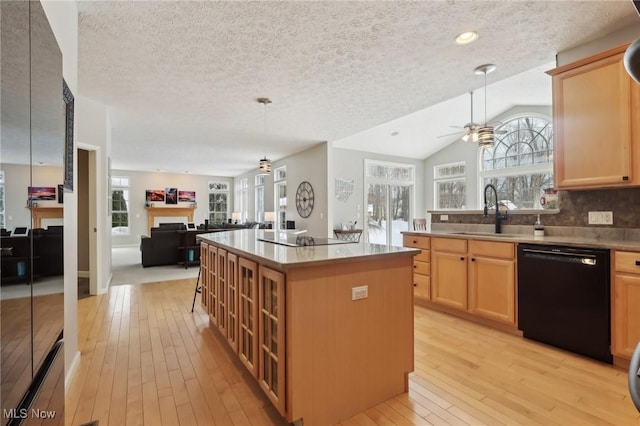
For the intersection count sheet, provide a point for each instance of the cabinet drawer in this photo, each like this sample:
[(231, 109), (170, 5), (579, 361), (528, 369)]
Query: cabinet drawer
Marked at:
[(417, 241), (449, 244), (424, 256), (492, 249), (627, 261), (423, 268)]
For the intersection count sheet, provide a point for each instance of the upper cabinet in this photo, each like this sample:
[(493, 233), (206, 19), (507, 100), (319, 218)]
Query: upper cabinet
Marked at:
[(596, 118)]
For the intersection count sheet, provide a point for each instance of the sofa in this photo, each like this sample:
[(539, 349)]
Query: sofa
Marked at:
[(168, 242)]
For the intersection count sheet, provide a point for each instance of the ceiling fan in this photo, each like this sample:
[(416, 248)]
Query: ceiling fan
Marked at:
[(484, 135), (470, 129)]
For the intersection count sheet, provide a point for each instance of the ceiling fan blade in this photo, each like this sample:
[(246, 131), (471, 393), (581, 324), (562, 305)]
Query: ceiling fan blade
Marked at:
[(451, 134)]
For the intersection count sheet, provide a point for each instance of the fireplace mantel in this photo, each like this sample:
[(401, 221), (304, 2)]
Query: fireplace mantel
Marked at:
[(167, 211)]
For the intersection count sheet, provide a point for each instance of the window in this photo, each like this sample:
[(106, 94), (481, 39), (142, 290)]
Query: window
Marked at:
[(280, 190), (2, 212), (449, 186), (119, 205), (244, 199), (520, 164), (218, 202), (259, 189)]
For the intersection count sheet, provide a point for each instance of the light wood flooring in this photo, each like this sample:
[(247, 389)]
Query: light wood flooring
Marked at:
[(146, 359)]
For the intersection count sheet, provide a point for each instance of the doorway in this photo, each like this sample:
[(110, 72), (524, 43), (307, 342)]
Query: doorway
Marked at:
[(87, 276)]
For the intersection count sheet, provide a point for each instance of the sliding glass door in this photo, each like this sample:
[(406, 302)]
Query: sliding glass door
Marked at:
[(388, 211)]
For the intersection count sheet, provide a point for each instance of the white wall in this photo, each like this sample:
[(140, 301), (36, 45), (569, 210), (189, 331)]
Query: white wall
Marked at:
[(139, 182), (349, 164)]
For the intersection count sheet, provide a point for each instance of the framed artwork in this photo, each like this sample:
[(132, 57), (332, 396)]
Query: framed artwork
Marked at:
[(42, 193), (68, 137), (155, 195), (171, 196), (187, 196)]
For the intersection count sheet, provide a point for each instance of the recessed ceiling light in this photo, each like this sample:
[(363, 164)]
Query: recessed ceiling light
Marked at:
[(466, 37)]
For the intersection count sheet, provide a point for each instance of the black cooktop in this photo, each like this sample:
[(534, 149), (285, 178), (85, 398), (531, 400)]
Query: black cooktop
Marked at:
[(292, 240)]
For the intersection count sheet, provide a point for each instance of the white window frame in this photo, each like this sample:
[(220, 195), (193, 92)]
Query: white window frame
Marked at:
[(279, 178), (121, 183), (528, 169), (462, 177), (259, 198), (218, 187), (244, 199)]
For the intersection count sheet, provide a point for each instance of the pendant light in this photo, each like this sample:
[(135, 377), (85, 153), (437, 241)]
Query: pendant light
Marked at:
[(485, 133), (265, 163)]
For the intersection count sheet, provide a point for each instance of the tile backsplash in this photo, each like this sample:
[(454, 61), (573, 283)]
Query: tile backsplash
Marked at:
[(574, 210)]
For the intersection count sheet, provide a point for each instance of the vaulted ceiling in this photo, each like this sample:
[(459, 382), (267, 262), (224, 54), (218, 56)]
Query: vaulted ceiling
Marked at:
[(181, 78)]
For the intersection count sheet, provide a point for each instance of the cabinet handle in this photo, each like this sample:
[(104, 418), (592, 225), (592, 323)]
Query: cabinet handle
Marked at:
[(625, 178), (461, 258), (415, 242), (415, 285), (637, 262), (473, 259), (414, 266)]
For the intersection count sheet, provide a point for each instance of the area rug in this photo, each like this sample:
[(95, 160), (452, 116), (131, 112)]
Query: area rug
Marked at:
[(127, 268)]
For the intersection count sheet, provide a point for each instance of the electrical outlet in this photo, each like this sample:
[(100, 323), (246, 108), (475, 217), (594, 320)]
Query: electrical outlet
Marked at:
[(361, 292), (600, 218), (444, 217)]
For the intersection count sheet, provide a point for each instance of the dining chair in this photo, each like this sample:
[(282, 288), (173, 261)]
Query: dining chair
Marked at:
[(419, 224)]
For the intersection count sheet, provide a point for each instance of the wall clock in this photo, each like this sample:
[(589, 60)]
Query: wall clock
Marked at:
[(304, 199)]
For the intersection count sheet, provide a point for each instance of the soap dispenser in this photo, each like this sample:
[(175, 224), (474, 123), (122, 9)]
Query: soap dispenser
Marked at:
[(538, 228)]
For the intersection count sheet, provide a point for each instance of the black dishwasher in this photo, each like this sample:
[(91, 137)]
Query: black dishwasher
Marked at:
[(564, 298)]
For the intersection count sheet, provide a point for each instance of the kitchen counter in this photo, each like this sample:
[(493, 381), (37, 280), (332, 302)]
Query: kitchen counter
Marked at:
[(571, 237), (245, 241)]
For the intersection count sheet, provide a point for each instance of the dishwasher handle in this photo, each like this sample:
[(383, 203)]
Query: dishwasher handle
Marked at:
[(559, 256)]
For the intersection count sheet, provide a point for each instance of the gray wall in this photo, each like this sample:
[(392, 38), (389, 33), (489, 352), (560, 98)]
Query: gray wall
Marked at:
[(349, 164), (141, 181), (624, 35), (470, 154), (309, 165)]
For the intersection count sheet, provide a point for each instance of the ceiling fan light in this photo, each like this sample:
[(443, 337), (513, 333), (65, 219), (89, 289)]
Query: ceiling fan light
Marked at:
[(265, 166), (486, 137), (465, 138)]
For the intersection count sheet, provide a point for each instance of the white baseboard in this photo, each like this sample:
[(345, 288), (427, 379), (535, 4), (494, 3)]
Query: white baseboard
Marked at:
[(84, 274), (72, 371)]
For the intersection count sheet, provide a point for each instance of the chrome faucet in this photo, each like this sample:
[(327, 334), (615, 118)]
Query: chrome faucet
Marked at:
[(499, 216)]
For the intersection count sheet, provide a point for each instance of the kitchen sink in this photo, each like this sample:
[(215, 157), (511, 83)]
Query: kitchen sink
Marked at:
[(487, 234)]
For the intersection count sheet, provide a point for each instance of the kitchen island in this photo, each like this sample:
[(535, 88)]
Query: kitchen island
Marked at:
[(326, 330)]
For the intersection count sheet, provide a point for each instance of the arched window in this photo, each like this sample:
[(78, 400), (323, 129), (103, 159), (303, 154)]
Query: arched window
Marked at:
[(520, 164)]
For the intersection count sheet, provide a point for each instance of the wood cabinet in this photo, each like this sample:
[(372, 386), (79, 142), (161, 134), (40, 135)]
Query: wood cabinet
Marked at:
[(626, 300), (596, 118), (475, 276), (421, 266), (272, 347), (449, 275), (204, 276), (248, 314), (213, 285), (221, 295), (232, 301), (492, 276)]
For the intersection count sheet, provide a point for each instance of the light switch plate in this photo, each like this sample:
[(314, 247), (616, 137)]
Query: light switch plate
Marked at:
[(601, 218), (361, 292)]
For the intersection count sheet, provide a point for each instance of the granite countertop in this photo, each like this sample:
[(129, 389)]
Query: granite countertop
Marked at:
[(284, 257), (614, 239)]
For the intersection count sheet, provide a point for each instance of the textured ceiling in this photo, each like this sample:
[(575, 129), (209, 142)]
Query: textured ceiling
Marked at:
[(181, 78)]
